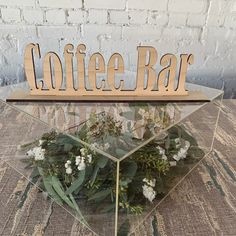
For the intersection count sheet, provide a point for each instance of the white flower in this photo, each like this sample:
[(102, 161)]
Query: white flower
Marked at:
[(83, 151), (79, 161), (40, 142), (89, 158), (161, 150), (177, 140), (68, 170), (187, 144), (37, 153), (68, 167), (94, 145), (106, 146), (173, 163), (30, 153), (181, 154), (151, 182), (176, 157), (164, 157), (149, 192), (67, 164), (143, 113), (81, 166)]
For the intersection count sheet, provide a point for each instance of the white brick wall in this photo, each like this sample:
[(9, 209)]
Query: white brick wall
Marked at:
[(206, 28)]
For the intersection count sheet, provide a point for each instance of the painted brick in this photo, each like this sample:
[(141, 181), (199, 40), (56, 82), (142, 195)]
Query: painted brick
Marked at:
[(177, 19), (61, 3), (230, 21), (58, 32), (197, 20), (20, 3), (138, 17), (192, 6), (160, 5), (11, 15), (158, 18), (55, 17), (97, 16), (78, 16), (139, 33), (119, 17), (105, 4), (233, 7), (101, 31), (215, 20), (32, 16)]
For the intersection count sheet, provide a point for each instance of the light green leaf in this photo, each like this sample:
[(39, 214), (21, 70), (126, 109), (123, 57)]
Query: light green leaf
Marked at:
[(129, 115), (68, 147), (102, 161), (108, 208), (130, 169), (120, 152), (60, 191), (101, 195), (77, 183), (47, 181), (76, 207), (94, 176)]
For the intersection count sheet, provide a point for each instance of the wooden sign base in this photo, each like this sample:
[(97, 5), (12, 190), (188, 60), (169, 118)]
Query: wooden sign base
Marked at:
[(23, 96)]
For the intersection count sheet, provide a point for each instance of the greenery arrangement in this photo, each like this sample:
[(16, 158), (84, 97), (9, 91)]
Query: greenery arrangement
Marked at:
[(72, 173)]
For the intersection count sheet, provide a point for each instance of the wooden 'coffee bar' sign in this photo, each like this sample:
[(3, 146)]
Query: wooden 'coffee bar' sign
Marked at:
[(59, 85)]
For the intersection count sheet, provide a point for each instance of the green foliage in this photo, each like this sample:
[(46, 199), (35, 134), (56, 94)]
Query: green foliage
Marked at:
[(97, 182), (77, 183)]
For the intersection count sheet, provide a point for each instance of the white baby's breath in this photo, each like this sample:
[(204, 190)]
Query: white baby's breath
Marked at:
[(89, 158), (173, 163), (68, 170), (68, 167), (83, 151), (37, 153), (182, 153), (148, 190), (80, 162)]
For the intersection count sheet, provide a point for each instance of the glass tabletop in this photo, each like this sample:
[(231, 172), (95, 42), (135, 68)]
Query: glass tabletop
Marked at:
[(114, 129)]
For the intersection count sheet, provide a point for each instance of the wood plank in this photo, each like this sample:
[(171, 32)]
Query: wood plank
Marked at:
[(21, 95)]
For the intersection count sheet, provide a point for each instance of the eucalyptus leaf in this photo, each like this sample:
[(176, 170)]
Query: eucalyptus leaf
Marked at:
[(124, 228), (101, 194), (34, 173), (76, 207), (94, 176), (102, 161), (47, 181), (147, 134), (129, 169), (68, 147), (108, 208), (60, 191), (129, 115), (120, 152), (77, 183)]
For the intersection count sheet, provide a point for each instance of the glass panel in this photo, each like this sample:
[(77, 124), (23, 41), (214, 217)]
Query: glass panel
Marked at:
[(148, 174), (26, 211), (148, 147), (127, 117), (76, 177)]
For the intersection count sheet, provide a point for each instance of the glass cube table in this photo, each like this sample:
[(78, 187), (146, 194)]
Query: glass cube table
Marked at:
[(111, 164)]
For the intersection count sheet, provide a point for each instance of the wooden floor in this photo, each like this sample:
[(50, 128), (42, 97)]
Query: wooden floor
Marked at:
[(204, 203)]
